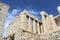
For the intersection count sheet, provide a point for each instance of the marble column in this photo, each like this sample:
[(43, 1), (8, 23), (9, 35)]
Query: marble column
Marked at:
[(38, 28), (42, 28), (34, 26), (29, 24), (8, 38)]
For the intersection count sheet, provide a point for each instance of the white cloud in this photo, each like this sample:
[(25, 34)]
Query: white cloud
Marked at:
[(15, 11), (58, 8)]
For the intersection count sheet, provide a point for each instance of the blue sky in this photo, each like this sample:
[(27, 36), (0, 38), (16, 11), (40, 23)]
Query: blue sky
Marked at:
[(33, 6)]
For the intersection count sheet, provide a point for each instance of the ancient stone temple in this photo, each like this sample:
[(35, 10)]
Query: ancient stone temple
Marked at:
[(3, 14), (28, 27)]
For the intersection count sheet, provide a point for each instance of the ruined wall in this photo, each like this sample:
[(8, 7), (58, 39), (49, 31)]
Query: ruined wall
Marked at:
[(25, 35)]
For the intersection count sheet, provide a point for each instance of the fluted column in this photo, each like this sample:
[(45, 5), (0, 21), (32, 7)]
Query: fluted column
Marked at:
[(38, 28), (29, 24), (34, 26)]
